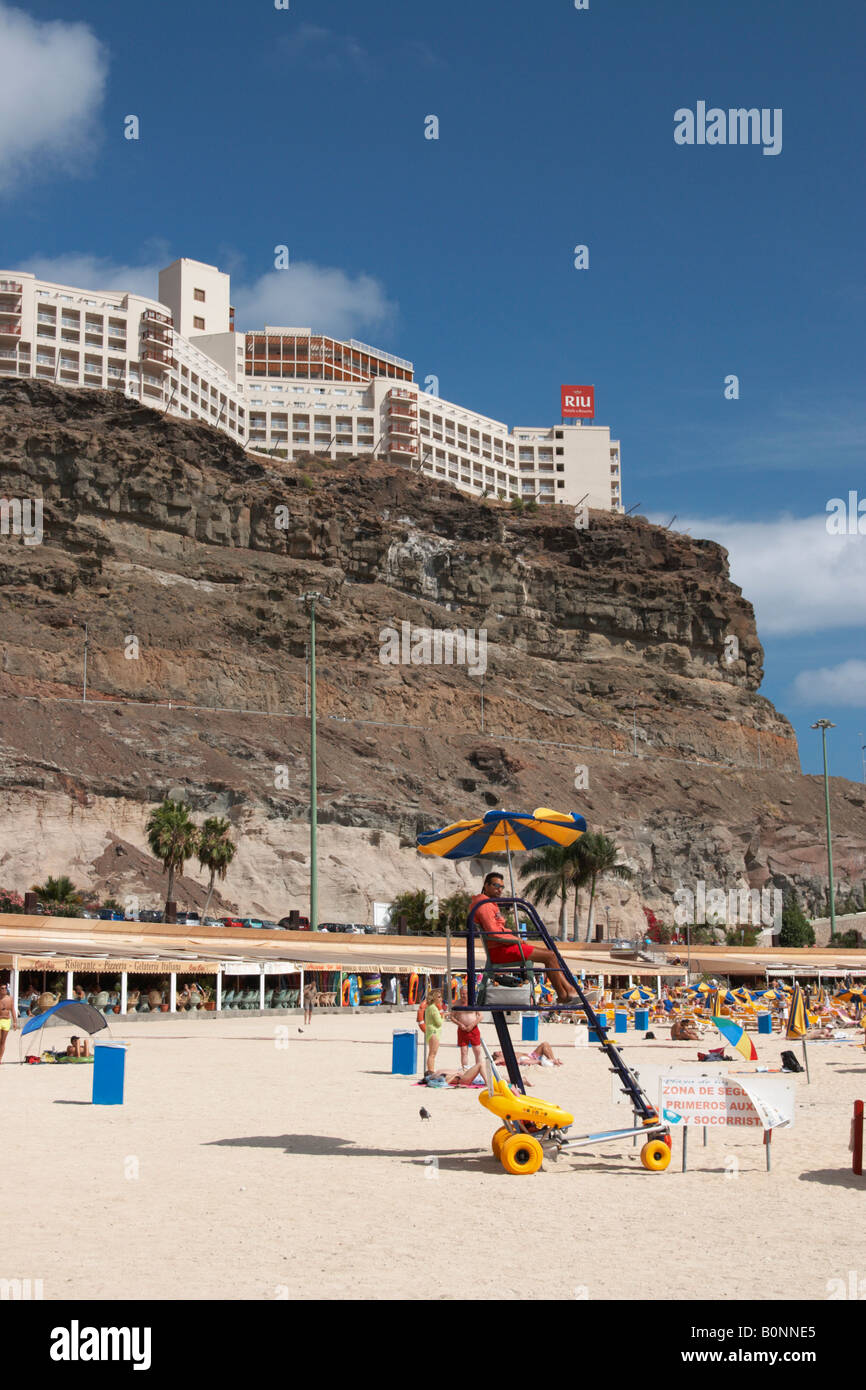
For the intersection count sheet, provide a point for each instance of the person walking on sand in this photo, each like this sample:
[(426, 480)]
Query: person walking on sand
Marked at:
[(8, 1017), (504, 948), (311, 995), (433, 1021)]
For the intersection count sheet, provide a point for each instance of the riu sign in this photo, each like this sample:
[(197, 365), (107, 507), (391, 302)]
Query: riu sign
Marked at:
[(578, 402)]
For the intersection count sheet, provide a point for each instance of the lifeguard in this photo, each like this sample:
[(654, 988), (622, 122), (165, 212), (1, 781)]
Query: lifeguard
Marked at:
[(504, 948)]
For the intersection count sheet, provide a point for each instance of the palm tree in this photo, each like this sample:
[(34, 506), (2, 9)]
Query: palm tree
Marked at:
[(59, 893), (215, 852), (598, 855), (550, 875), (172, 838)]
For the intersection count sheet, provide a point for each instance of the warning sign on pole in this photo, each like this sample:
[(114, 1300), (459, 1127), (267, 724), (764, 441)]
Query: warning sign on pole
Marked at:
[(761, 1102)]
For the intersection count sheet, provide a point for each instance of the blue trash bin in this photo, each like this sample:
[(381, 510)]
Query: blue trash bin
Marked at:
[(641, 1019), (529, 1028), (109, 1066), (620, 1021), (765, 1023), (404, 1053), (595, 1035)]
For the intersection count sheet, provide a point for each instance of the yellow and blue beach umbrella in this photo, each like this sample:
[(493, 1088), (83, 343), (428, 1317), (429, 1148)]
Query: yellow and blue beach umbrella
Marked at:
[(797, 1023), (503, 832), (637, 995), (855, 995)]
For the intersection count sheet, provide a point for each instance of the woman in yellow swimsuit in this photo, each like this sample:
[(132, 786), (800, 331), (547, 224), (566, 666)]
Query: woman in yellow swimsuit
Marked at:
[(8, 1017)]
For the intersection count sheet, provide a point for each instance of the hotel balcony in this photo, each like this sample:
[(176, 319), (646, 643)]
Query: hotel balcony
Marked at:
[(151, 316), (158, 357), (152, 333), (8, 329), (404, 446), (403, 425)]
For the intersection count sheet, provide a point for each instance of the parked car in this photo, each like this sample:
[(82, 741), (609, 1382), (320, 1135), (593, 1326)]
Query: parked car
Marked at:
[(303, 924), (192, 919), (252, 922), (270, 926), (110, 914), (151, 914), (232, 922), (211, 922)]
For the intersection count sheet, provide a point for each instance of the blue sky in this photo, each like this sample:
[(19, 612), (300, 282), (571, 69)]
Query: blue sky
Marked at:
[(306, 127)]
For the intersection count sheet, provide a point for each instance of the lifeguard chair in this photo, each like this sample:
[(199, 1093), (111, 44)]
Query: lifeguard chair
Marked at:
[(508, 988)]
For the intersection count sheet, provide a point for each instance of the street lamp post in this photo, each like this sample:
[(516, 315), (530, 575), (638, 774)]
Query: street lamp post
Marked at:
[(824, 725), (309, 601)]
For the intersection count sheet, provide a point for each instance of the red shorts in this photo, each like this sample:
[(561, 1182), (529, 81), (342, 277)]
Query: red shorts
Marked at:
[(508, 955), (472, 1038)]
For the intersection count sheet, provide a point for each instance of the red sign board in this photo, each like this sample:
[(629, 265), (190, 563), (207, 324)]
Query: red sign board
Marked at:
[(578, 402)]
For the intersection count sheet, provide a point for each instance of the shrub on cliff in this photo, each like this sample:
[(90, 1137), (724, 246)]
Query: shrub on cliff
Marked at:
[(796, 930), (10, 902)]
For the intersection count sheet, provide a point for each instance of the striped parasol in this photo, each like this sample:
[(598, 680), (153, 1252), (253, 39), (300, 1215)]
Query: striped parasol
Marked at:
[(503, 832)]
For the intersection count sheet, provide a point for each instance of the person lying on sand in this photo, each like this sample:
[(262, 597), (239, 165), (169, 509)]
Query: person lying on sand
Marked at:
[(78, 1047), (455, 1078), (541, 1056)]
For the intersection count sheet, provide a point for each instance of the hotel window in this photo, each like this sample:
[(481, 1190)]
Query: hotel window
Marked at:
[(199, 295), (559, 451), (197, 322), (558, 435)]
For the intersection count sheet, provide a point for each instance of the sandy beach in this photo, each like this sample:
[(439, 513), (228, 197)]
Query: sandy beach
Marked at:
[(253, 1163)]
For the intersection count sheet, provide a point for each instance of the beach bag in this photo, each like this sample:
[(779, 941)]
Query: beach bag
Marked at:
[(513, 996), (790, 1063)]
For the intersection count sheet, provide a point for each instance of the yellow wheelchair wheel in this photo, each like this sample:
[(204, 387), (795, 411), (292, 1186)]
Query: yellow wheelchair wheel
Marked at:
[(520, 1153), (655, 1155), (499, 1139)]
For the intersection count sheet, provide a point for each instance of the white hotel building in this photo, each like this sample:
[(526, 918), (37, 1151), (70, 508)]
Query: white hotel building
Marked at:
[(287, 391)]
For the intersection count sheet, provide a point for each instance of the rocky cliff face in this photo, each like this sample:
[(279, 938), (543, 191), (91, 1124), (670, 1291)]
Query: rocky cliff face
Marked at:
[(186, 558)]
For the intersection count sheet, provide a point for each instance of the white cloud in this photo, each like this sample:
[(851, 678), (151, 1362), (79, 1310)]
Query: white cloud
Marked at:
[(833, 685), (799, 578), (53, 83), (95, 273), (321, 50), (323, 298)]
